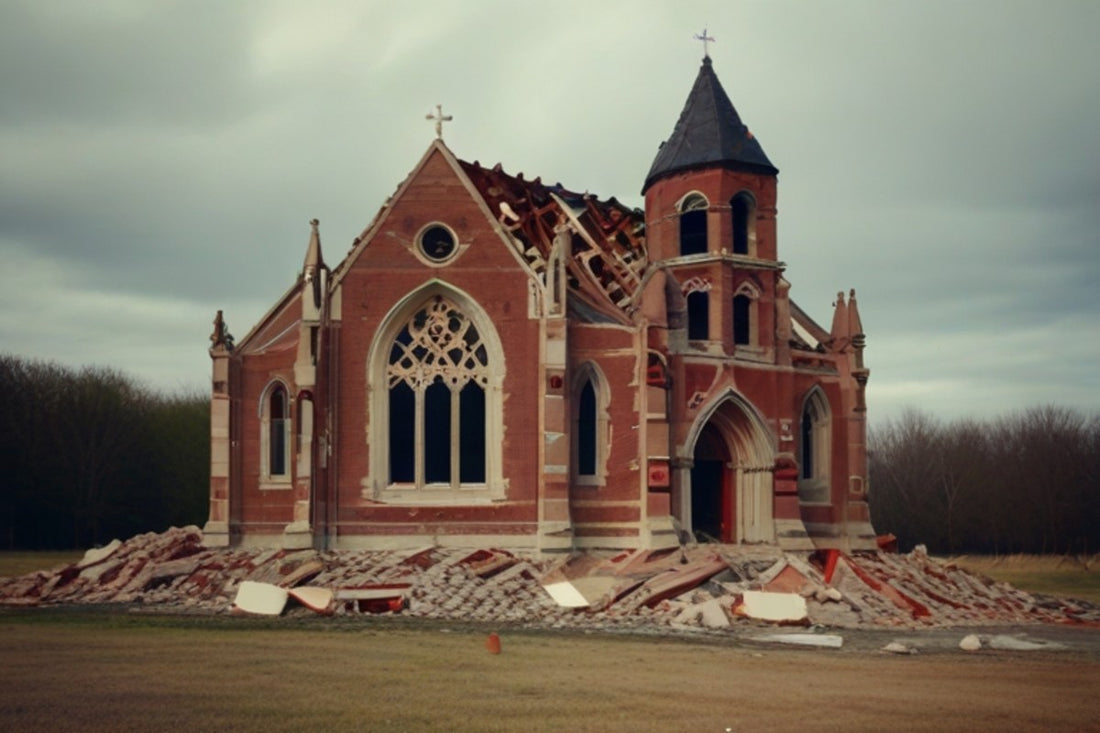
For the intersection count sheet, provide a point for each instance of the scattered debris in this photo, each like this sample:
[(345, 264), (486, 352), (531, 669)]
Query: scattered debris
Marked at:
[(896, 647), (99, 554), (705, 587), (970, 643), (710, 614), (377, 598), (829, 641), (1019, 644), (566, 594)]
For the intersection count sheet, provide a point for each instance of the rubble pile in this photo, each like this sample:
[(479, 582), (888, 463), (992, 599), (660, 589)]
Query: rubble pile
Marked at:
[(695, 587)]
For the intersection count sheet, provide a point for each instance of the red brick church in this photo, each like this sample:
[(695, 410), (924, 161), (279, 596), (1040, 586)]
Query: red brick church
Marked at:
[(501, 362)]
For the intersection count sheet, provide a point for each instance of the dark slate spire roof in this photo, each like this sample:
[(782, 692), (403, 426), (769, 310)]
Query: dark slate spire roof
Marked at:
[(709, 133)]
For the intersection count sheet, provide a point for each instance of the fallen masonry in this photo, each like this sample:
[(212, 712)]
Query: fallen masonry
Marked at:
[(696, 587)]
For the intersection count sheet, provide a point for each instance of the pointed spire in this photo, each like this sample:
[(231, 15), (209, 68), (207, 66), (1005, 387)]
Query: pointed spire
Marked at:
[(313, 260), (709, 133), (221, 338), (855, 325), (839, 332), (314, 264)]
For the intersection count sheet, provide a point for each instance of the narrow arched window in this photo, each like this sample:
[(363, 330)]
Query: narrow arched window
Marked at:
[(587, 447), (590, 427), (814, 448), (698, 308), (807, 432), (437, 375), (743, 211), (742, 319), (275, 432), (693, 225)]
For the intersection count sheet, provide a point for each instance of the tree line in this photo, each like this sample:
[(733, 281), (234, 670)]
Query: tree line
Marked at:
[(89, 455), (1025, 483)]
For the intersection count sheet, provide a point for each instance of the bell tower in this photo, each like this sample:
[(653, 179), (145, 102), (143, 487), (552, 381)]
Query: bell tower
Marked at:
[(710, 218)]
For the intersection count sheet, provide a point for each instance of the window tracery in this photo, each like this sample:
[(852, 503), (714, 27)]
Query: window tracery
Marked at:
[(437, 373)]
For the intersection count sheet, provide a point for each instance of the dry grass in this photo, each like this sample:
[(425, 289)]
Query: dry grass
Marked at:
[(21, 563), (1068, 577), (121, 673)]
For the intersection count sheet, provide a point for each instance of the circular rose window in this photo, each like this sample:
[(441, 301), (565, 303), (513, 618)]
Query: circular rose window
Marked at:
[(437, 242)]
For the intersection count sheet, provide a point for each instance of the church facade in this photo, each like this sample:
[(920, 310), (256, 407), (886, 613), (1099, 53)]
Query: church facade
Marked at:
[(499, 362)]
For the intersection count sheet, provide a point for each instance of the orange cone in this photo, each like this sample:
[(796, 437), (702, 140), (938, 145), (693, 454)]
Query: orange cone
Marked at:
[(493, 644)]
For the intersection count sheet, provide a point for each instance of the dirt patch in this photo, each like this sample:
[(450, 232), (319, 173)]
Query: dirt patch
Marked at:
[(70, 669)]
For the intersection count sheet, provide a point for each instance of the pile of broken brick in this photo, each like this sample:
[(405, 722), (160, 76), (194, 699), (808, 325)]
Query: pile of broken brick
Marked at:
[(693, 587)]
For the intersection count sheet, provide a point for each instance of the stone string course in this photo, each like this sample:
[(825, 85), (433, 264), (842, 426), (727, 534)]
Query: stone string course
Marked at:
[(174, 572)]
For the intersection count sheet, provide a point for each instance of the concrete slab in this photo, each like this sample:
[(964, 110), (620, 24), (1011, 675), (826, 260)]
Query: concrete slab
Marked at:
[(829, 641), (566, 594), (260, 598), (777, 607), (313, 598), (98, 554)]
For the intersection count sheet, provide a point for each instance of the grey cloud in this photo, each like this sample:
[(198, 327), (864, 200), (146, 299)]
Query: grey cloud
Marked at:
[(161, 160)]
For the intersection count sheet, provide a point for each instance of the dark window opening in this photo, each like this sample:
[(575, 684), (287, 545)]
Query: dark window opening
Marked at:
[(693, 232), (437, 433), (402, 433), (471, 451), (586, 431), (741, 207), (437, 243), (742, 320), (698, 307), (807, 444), (277, 445)]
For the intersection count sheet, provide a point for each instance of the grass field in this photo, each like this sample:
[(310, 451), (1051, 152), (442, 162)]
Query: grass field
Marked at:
[(1053, 574), (22, 563), (67, 670)]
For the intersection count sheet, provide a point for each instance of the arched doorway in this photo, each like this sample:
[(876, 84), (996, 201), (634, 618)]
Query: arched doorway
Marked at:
[(730, 486), (710, 490)]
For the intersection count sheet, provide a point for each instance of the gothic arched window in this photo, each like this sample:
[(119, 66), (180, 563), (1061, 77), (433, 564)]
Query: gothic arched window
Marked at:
[(698, 308), (275, 433), (586, 431), (743, 210), (742, 319), (693, 225), (814, 448), (436, 375), (590, 427)]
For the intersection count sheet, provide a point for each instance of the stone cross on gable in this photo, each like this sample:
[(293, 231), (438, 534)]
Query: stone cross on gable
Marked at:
[(439, 118), (705, 39)]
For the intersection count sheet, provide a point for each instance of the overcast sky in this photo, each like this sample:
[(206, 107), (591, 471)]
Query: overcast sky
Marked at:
[(162, 160)]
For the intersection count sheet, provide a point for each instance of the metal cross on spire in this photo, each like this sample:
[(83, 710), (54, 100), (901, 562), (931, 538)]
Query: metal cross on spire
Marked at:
[(439, 118), (705, 39)]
